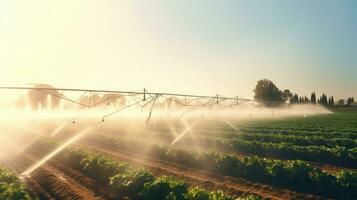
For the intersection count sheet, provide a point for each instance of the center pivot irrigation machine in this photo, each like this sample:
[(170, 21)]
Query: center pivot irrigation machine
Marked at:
[(144, 99)]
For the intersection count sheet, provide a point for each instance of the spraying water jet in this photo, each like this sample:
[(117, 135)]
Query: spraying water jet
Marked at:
[(58, 129), (231, 125), (187, 129), (55, 152), (173, 131)]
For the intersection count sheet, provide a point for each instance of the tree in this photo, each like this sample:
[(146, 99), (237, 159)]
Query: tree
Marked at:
[(350, 101), (331, 101), (287, 95), (341, 102), (268, 93), (313, 98), (323, 100), (295, 99)]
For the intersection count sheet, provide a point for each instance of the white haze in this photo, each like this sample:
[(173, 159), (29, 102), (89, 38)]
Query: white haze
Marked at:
[(19, 129)]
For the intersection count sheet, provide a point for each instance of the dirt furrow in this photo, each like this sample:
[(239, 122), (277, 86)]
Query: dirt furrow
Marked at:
[(32, 186), (60, 185), (47, 182)]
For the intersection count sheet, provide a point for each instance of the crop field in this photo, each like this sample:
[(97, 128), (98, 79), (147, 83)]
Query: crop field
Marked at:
[(178, 100), (309, 157)]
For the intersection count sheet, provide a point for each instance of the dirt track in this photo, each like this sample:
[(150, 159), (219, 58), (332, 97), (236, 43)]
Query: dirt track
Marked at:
[(48, 182)]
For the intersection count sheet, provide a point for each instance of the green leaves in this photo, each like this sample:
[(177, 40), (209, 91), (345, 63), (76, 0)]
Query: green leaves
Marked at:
[(137, 183), (165, 187), (201, 194), (100, 167), (347, 179), (130, 182), (296, 175), (249, 197), (198, 194), (10, 186)]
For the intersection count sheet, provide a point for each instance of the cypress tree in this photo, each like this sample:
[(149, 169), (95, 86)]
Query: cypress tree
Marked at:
[(313, 98), (331, 101), (323, 100), (350, 101)]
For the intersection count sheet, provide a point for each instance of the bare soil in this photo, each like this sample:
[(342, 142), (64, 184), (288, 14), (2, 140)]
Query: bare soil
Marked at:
[(48, 182)]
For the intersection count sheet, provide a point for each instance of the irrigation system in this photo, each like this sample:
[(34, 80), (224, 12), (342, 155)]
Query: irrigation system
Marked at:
[(142, 98)]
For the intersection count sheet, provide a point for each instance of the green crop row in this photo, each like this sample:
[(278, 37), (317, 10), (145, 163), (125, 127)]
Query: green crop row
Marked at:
[(279, 138), (317, 140), (125, 180), (287, 132), (228, 132), (335, 156), (11, 187), (276, 147), (339, 121), (296, 175), (340, 156)]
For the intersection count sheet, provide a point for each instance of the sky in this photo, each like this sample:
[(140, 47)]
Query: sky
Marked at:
[(202, 46)]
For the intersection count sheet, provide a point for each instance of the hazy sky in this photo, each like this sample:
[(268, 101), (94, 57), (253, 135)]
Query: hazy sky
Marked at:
[(187, 46)]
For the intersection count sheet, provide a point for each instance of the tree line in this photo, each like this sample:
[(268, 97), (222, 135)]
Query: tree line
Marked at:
[(268, 93)]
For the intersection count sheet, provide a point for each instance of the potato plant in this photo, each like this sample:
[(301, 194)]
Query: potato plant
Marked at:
[(11, 187), (136, 183), (296, 175)]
